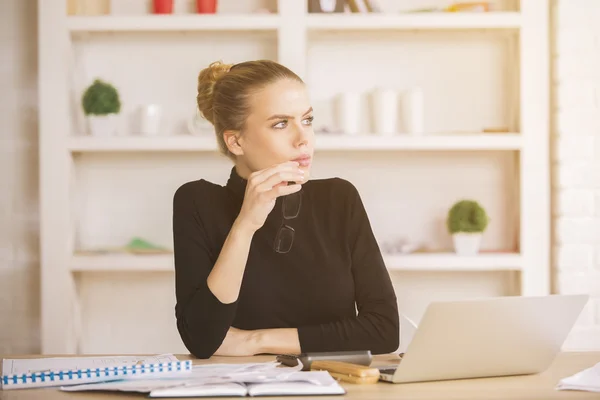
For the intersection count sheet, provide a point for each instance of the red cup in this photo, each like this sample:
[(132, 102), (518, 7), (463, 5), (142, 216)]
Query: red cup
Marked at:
[(206, 6), (163, 6)]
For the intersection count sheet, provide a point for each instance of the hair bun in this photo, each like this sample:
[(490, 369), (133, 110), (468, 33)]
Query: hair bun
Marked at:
[(207, 79)]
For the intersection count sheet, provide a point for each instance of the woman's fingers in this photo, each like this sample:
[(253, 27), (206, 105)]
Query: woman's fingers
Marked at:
[(281, 190), (258, 177), (278, 179)]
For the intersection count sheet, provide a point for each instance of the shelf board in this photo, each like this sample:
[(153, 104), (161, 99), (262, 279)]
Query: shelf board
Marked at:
[(184, 22), (323, 142), (353, 22), (405, 262), (453, 262), (122, 262)]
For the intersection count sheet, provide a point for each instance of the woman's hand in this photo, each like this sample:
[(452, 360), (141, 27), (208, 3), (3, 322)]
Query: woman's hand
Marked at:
[(238, 343), (262, 190), (241, 343)]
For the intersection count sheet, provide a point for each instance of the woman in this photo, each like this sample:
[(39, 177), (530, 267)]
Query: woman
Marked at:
[(273, 262)]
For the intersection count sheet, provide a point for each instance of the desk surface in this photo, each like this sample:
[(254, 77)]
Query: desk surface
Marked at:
[(539, 386)]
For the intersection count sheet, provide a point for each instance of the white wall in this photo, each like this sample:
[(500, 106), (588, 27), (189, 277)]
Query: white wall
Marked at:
[(577, 160), (19, 255)]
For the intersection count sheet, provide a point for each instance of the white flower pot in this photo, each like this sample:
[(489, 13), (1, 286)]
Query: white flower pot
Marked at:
[(102, 125), (466, 244)]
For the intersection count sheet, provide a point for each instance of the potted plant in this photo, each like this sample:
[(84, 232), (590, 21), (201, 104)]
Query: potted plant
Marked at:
[(466, 222), (101, 104)]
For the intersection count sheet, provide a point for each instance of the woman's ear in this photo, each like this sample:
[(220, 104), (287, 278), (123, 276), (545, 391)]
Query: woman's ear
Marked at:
[(231, 140)]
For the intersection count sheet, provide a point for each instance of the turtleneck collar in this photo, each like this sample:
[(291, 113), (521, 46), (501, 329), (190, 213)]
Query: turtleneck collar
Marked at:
[(236, 183)]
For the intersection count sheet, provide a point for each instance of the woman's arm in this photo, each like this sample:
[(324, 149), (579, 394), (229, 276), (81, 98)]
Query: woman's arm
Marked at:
[(377, 326), (202, 318), (208, 286)]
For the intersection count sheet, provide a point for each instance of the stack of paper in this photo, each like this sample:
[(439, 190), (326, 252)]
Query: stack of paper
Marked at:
[(588, 380)]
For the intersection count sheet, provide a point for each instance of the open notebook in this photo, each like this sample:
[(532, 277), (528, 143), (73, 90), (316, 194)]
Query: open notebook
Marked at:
[(327, 386), (228, 380)]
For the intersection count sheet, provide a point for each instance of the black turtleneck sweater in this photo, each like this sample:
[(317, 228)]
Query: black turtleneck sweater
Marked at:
[(332, 285)]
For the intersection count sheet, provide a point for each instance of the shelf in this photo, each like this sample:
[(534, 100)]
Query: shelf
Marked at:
[(453, 262), (495, 20), (121, 262), (193, 22), (323, 142), (408, 262)]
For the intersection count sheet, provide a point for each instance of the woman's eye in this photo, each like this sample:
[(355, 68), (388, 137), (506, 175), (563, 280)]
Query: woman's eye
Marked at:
[(280, 125), (308, 121)]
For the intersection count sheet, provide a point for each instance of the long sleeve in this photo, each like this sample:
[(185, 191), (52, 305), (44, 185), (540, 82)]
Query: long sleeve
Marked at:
[(376, 328), (202, 320)]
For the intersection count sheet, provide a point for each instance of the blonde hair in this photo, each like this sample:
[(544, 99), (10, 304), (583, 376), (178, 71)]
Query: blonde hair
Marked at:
[(224, 91)]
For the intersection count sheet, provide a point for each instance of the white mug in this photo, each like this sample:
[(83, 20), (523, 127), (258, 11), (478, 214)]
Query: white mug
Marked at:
[(150, 118)]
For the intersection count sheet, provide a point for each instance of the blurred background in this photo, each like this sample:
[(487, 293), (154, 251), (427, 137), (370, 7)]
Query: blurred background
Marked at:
[(432, 108)]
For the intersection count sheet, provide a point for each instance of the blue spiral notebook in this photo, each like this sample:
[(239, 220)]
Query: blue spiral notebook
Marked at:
[(47, 372)]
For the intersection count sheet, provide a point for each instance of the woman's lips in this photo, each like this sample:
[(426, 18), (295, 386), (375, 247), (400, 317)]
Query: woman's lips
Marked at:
[(303, 161)]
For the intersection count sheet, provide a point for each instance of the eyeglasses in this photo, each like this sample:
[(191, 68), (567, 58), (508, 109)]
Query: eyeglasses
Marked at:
[(290, 209)]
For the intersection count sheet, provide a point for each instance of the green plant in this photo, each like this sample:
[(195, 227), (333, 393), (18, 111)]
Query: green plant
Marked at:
[(467, 216), (101, 98)]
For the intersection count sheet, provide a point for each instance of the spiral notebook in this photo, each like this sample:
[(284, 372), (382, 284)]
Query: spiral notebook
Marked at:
[(47, 372)]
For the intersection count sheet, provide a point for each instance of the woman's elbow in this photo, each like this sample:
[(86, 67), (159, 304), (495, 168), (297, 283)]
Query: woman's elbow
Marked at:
[(198, 344), (389, 338)]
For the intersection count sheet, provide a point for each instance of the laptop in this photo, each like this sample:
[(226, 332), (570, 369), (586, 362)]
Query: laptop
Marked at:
[(499, 336)]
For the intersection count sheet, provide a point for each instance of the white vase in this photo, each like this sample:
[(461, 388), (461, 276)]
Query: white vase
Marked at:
[(466, 244), (349, 112), (102, 125), (385, 111), (150, 118), (413, 111)]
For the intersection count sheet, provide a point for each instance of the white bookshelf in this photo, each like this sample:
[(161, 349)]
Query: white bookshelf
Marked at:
[(172, 23), (71, 160), (402, 262), (461, 21), (325, 142)]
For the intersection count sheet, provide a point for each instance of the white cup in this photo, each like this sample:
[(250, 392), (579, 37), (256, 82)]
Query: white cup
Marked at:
[(349, 112), (413, 111), (385, 111), (150, 118)]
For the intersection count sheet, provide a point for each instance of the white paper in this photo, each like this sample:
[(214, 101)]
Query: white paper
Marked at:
[(587, 380), (407, 331)]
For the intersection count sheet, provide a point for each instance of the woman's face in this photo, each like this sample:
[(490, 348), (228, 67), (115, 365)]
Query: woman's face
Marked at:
[(278, 129)]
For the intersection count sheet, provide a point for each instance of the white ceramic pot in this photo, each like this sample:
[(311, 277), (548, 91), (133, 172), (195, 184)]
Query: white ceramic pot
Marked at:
[(466, 244), (413, 111), (150, 118), (385, 111), (349, 112), (102, 125)]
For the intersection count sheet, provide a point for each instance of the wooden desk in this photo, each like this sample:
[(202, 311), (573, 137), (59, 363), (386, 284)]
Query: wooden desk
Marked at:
[(540, 386)]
